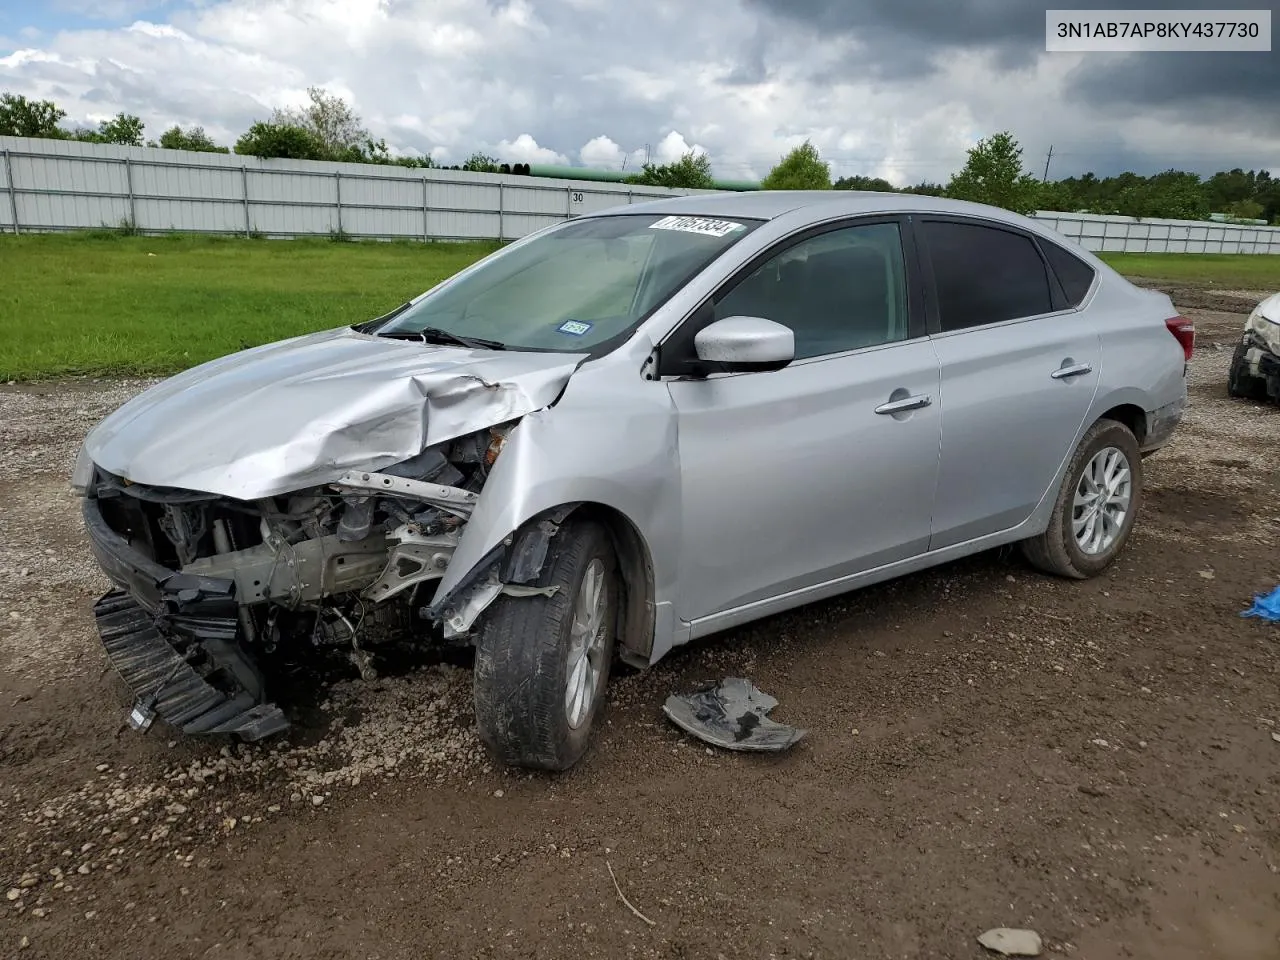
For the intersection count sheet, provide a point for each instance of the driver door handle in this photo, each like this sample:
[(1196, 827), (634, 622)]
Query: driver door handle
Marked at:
[(1075, 370), (906, 403)]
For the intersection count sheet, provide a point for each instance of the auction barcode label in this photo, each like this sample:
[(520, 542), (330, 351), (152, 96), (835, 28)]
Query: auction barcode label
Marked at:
[(1137, 31)]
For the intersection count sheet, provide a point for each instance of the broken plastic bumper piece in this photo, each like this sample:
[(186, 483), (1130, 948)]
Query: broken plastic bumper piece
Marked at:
[(732, 714), (165, 684)]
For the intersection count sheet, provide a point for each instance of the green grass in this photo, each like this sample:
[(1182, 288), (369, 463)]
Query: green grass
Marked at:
[(1243, 271), (99, 303)]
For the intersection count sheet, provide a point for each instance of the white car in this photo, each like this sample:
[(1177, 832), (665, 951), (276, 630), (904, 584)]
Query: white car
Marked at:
[(1255, 366)]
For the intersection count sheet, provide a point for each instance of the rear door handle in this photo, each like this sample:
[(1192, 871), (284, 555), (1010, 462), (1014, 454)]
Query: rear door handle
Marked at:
[(906, 403), (1075, 370)]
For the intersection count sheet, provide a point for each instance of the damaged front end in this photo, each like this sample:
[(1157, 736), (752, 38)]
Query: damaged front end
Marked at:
[(1256, 365), (207, 585)]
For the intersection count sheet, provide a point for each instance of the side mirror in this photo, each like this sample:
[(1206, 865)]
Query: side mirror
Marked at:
[(740, 344)]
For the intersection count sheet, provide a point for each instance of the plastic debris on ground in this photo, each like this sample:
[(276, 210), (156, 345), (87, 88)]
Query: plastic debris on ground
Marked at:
[(732, 714), (1266, 606), (1013, 943)]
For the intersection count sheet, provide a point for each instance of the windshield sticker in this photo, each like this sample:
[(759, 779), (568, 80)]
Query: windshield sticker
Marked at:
[(703, 225), (575, 328)]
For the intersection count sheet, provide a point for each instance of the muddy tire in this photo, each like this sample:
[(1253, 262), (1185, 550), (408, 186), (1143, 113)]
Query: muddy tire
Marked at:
[(1099, 500), (542, 663), (1240, 382)]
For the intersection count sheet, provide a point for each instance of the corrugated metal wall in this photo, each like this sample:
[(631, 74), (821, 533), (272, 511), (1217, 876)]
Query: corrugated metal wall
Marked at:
[(48, 185), (67, 185), (1129, 235)]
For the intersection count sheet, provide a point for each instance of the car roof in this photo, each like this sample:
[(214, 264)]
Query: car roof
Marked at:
[(820, 204)]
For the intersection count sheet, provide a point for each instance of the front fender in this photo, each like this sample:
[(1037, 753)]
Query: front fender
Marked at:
[(607, 444)]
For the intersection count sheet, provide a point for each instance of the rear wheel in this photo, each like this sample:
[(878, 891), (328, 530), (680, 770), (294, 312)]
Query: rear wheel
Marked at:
[(1240, 382), (1096, 507), (542, 663)]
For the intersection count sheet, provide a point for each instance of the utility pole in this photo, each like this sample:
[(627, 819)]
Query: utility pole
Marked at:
[(1045, 178)]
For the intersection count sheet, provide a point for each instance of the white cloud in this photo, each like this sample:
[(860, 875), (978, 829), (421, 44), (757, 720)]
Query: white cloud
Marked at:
[(525, 149), (601, 152), (547, 80), (107, 9), (674, 146)]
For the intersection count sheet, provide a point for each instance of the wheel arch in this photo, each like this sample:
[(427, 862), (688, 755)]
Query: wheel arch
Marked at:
[(1124, 407), (1130, 415), (636, 617), (520, 559)]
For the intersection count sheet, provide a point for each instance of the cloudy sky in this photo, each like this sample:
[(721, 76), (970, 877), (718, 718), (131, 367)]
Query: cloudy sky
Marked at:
[(893, 88)]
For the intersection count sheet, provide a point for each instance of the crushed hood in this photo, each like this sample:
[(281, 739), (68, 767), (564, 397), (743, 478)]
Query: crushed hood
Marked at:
[(302, 412)]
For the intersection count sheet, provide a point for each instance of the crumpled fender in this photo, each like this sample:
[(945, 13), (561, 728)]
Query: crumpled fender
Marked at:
[(612, 445)]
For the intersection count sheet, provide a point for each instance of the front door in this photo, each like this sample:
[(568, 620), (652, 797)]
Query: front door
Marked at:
[(827, 467)]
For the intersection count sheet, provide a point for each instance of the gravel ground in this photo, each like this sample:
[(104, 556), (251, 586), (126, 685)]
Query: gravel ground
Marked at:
[(1096, 761)]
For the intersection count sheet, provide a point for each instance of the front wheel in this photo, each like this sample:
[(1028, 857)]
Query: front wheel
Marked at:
[(542, 662), (1096, 507)]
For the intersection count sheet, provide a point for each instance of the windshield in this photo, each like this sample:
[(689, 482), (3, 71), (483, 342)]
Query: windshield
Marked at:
[(581, 287)]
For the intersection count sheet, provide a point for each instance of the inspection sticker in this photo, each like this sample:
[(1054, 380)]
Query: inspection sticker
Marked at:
[(575, 328), (703, 225)]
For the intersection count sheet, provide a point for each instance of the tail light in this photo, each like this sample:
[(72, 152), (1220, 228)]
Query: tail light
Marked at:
[(1184, 331)]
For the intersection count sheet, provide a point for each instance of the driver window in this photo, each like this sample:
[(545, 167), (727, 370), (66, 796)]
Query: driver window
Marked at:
[(838, 291)]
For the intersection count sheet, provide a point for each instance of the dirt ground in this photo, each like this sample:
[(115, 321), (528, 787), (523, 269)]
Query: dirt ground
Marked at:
[(1097, 761)]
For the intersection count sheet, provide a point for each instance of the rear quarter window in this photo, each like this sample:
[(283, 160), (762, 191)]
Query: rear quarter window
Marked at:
[(1075, 276)]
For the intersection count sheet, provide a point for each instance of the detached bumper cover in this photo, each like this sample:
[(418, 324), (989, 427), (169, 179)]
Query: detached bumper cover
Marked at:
[(157, 623)]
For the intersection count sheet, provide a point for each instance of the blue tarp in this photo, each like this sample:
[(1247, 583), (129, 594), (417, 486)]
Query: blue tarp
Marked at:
[(1265, 606)]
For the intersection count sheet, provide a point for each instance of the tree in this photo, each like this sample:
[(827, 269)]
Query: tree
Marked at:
[(423, 162), (1057, 195), (1232, 186), (692, 171), (801, 169), (927, 189), (1174, 194), (480, 163), (874, 184), (175, 138), (993, 174), (1244, 210), (1269, 197), (330, 120), (20, 117), (124, 129), (286, 140)]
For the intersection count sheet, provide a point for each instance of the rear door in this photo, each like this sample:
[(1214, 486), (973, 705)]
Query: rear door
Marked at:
[(1019, 372)]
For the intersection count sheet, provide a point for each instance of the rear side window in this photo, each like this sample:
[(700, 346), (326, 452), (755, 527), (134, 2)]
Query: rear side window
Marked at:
[(985, 275), (1074, 274)]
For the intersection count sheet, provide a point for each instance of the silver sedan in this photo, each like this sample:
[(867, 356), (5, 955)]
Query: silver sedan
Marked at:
[(621, 433)]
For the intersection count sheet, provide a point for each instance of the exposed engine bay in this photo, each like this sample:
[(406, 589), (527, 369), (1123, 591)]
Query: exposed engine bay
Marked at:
[(339, 566)]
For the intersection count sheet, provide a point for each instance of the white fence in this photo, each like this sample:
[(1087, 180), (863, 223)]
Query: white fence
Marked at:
[(48, 185), (1130, 235)]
